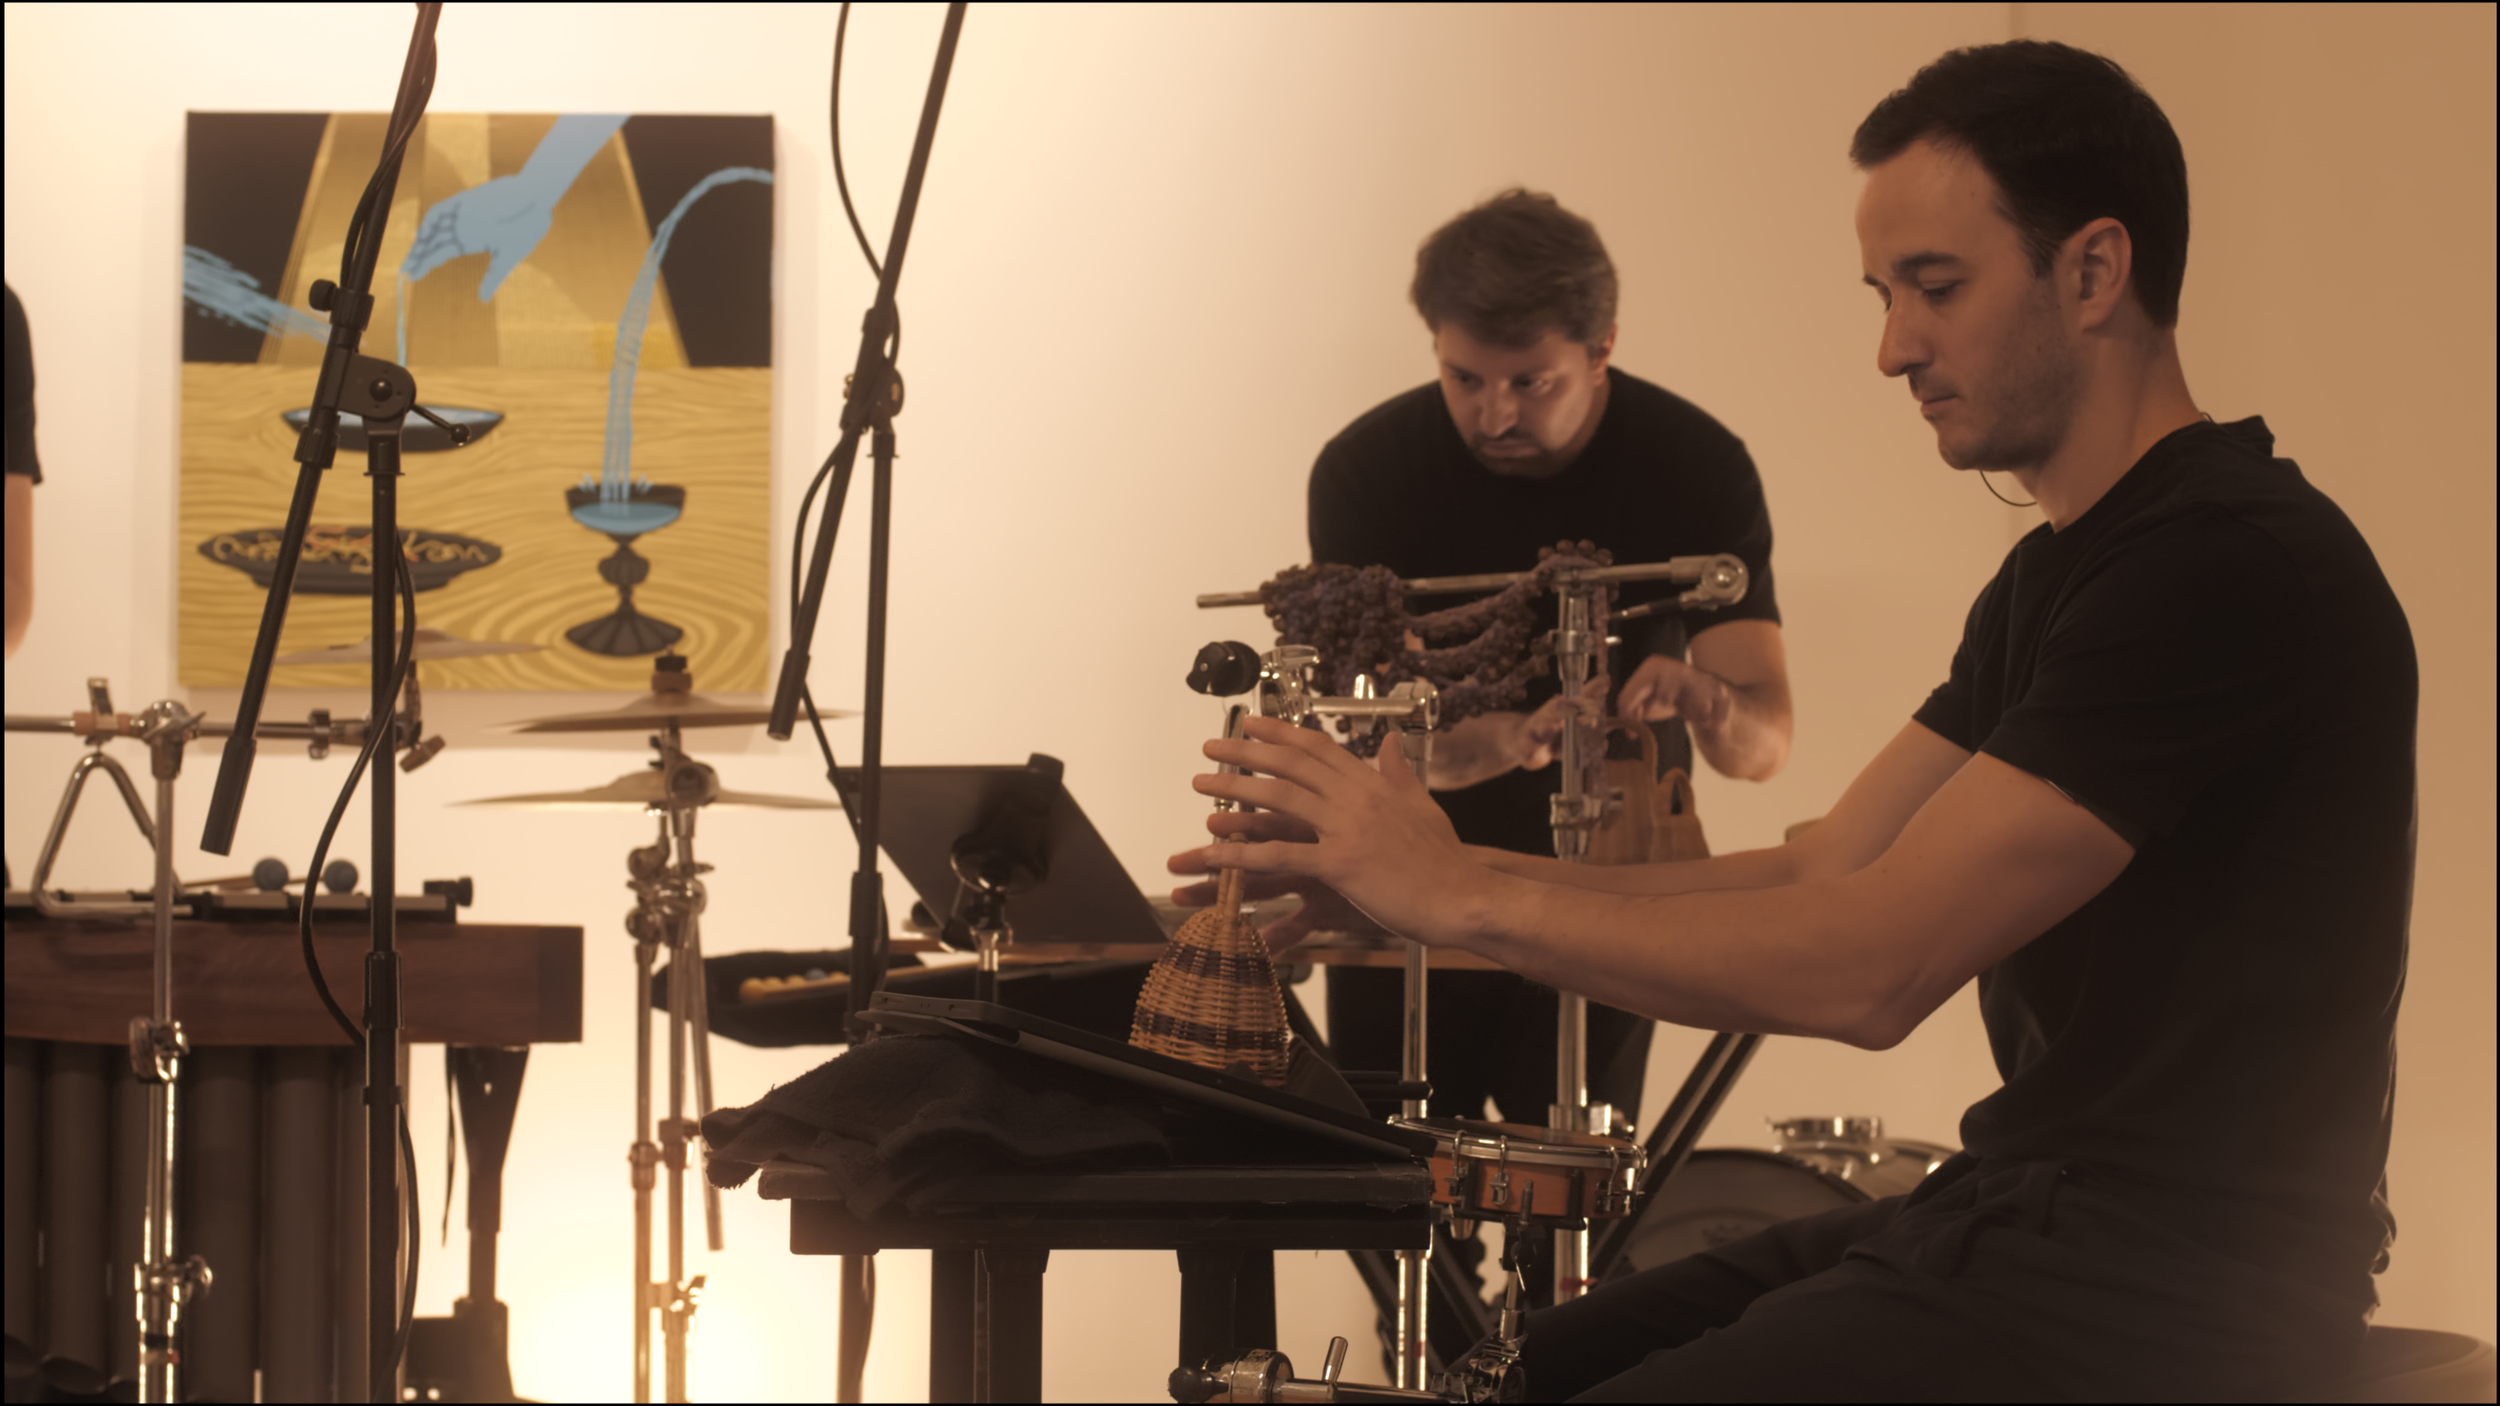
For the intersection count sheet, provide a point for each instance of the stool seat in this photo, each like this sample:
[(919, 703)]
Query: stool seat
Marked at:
[(2416, 1364)]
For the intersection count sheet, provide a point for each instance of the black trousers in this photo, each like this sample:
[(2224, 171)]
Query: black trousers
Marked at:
[(1489, 1035), (1992, 1282)]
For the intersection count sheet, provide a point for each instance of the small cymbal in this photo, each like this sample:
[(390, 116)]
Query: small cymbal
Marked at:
[(431, 644), (656, 709), (641, 789)]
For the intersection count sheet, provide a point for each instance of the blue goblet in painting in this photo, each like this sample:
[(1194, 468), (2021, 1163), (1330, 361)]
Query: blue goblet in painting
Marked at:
[(645, 507)]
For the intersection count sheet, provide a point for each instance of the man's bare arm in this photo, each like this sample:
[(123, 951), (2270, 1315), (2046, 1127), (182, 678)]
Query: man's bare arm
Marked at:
[(1994, 859), (21, 556), (1870, 814), (1986, 863)]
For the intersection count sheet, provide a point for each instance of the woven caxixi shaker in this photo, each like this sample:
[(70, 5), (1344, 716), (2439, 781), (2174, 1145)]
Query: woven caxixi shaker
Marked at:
[(1212, 997)]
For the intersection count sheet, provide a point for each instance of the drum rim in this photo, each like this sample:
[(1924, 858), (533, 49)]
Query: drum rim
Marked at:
[(1584, 1149)]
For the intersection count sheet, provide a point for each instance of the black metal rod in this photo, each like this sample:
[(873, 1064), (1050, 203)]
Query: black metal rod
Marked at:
[(382, 962), (351, 308), (868, 952), (871, 400)]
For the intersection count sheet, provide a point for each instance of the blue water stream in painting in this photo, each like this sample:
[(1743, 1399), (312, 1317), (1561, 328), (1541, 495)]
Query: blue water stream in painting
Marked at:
[(616, 466), (222, 290)]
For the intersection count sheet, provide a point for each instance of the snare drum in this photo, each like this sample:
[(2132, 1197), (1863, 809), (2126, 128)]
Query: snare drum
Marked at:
[(1498, 1171)]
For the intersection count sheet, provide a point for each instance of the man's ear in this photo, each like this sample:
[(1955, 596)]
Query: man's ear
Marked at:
[(2102, 257), (1599, 353)]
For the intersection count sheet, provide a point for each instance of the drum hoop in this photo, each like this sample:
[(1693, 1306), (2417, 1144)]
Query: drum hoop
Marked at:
[(1504, 1148)]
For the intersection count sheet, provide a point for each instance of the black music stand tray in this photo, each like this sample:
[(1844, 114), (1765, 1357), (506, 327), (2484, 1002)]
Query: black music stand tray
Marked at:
[(1072, 890)]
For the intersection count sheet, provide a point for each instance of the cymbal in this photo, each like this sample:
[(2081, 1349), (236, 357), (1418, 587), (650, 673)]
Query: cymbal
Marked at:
[(431, 644), (642, 789), (656, 709)]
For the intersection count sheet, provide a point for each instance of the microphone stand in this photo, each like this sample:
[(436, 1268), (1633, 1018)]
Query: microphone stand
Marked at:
[(874, 393), (382, 394)]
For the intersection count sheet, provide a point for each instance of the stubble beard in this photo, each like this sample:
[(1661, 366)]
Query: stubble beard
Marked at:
[(1545, 463), (2037, 389)]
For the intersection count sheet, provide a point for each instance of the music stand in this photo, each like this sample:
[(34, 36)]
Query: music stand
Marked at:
[(1007, 849)]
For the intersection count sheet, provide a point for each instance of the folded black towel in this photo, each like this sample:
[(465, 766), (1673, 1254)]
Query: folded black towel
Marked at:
[(896, 1120)]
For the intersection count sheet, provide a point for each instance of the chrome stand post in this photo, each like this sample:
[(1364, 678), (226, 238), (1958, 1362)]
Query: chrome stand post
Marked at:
[(163, 1283), (1579, 645), (1413, 1265), (644, 1154), (669, 894), (1414, 1292)]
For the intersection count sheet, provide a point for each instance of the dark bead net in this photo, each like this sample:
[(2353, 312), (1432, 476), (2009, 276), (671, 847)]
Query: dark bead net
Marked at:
[(1480, 655)]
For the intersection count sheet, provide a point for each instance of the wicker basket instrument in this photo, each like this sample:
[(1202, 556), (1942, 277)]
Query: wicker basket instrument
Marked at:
[(1212, 997)]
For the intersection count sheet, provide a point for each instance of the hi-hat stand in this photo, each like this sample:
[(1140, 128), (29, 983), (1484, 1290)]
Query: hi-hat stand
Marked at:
[(669, 899)]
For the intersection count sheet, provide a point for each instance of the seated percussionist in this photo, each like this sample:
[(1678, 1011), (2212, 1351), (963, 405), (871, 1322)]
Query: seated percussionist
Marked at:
[(2181, 885)]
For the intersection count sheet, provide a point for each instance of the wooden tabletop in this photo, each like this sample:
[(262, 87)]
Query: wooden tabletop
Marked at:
[(82, 980)]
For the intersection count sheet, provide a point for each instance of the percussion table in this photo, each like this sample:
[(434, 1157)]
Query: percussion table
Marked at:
[(992, 1242)]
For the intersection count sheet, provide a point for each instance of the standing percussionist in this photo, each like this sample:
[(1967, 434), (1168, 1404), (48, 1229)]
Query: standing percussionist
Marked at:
[(1530, 438)]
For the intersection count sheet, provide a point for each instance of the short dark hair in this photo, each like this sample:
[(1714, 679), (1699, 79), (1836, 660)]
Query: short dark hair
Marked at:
[(2067, 136), (1513, 267)]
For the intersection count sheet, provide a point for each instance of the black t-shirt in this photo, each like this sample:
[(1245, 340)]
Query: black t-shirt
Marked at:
[(21, 373), (2211, 661), (1660, 478)]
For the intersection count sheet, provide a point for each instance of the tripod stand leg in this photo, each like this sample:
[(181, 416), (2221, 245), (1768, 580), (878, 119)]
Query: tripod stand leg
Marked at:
[(643, 1156), (673, 1153), (700, 1012)]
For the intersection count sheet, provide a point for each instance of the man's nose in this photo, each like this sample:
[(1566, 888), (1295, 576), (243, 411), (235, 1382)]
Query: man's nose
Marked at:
[(1497, 412), (1901, 348)]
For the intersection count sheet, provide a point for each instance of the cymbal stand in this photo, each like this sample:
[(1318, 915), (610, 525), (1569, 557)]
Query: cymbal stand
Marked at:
[(669, 901)]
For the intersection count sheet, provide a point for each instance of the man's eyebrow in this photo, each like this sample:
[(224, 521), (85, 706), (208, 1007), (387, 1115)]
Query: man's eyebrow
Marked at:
[(1911, 265)]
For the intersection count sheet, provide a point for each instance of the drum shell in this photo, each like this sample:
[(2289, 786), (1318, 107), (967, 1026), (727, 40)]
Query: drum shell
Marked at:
[(1489, 1171)]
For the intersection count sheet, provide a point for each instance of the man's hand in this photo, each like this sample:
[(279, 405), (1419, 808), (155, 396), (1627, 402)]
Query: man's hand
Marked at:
[(1666, 688), (506, 217), (1733, 696), (1323, 908), (1489, 744), (1376, 837)]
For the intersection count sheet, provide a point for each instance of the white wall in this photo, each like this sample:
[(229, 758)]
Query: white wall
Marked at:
[(1161, 259)]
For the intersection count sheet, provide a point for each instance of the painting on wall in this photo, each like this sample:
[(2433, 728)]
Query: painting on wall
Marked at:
[(590, 294)]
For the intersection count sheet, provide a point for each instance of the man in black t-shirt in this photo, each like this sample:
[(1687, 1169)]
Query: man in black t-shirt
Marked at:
[(2182, 886), (24, 473), (1531, 437)]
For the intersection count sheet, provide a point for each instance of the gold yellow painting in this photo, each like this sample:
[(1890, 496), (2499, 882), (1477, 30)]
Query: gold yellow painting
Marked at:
[(589, 295)]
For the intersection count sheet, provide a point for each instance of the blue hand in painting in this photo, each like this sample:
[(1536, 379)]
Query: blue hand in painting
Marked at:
[(507, 216)]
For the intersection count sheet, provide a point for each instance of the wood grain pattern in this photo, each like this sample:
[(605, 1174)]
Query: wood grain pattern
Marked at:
[(706, 429)]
